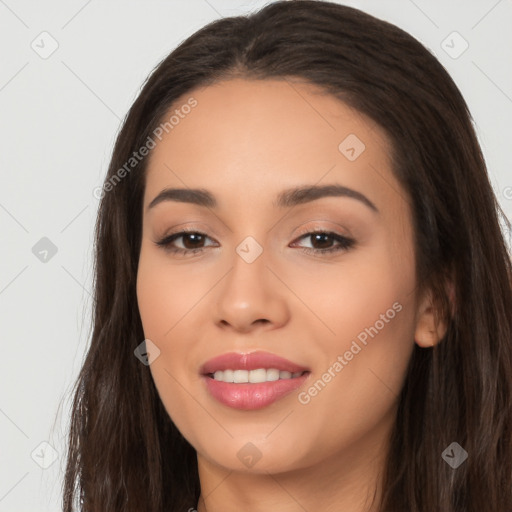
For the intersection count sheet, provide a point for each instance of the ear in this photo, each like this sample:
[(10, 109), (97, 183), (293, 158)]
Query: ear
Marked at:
[(429, 333)]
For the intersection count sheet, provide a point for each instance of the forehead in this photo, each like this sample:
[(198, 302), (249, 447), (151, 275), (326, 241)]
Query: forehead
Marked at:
[(251, 138)]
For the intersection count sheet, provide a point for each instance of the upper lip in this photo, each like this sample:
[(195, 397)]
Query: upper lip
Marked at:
[(250, 361)]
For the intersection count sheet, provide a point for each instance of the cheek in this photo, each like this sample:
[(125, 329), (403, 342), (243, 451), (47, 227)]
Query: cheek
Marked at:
[(166, 294), (342, 299), (372, 343), (168, 301), (357, 387), (163, 301), (374, 336), (368, 322)]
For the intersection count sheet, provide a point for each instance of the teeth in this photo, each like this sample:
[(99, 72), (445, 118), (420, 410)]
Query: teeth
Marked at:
[(272, 374), (240, 376), (254, 376)]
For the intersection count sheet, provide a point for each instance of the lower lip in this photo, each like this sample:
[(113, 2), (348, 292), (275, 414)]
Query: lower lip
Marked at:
[(248, 396)]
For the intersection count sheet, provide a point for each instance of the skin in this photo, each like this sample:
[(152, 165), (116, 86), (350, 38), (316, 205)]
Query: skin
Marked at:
[(245, 141)]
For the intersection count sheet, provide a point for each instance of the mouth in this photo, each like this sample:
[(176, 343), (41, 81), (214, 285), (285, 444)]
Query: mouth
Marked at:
[(259, 360), (251, 381), (254, 376)]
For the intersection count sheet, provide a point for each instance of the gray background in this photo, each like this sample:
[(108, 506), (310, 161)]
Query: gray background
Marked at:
[(59, 118)]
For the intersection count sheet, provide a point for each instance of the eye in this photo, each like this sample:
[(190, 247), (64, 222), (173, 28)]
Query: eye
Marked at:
[(193, 240), (322, 238)]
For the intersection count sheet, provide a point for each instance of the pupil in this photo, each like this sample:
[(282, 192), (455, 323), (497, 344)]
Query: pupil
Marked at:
[(324, 235), (193, 235)]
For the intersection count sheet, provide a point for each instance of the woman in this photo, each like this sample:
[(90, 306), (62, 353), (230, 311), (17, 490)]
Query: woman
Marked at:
[(232, 367)]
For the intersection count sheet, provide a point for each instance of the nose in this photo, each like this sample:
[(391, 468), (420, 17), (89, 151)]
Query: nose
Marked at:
[(251, 296)]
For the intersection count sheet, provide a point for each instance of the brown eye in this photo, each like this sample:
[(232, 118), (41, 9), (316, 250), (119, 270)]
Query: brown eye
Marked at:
[(322, 242), (192, 241)]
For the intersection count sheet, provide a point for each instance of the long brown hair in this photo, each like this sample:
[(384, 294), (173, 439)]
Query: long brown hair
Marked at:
[(125, 454)]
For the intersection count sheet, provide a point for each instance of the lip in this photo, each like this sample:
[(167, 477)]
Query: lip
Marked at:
[(250, 361), (249, 396)]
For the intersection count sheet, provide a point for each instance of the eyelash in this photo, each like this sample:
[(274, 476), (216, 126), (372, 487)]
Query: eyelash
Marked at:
[(345, 243)]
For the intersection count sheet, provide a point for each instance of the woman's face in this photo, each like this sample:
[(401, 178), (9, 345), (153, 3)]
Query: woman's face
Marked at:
[(255, 278)]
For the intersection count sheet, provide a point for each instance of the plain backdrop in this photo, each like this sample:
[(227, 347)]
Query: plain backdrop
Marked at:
[(60, 113)]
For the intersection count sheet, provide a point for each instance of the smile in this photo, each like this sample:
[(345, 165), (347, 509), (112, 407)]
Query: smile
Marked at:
[(253, 376), (253, 380)]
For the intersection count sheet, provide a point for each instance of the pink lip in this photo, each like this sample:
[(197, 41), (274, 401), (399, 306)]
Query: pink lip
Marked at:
[(251, 361), (248, 396)]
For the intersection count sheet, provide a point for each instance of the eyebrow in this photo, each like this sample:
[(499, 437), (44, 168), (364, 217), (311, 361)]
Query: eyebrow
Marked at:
[(285, 199)]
